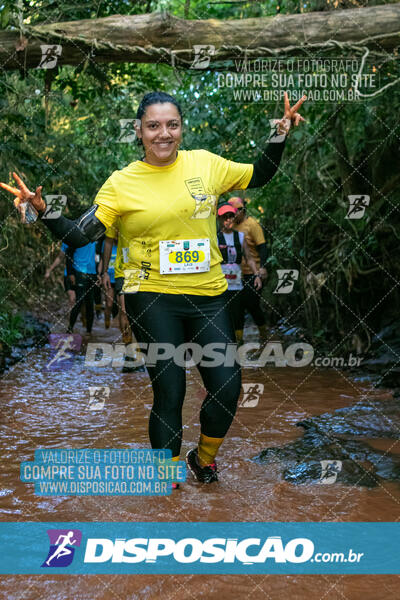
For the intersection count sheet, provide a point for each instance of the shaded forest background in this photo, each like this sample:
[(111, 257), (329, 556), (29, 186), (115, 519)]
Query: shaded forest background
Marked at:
[(62, 131)]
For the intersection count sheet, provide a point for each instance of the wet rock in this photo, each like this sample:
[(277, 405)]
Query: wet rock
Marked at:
[(349, 473), (33, 333), (28, 342), (16, 353), (369, 418), (289, 332), (383, 356), (328, 452)]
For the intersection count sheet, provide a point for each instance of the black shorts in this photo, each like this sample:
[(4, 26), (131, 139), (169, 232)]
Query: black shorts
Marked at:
[(119, 282)]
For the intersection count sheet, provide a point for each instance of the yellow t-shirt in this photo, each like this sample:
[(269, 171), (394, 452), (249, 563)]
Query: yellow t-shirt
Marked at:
[(254, 236), (177, 202)]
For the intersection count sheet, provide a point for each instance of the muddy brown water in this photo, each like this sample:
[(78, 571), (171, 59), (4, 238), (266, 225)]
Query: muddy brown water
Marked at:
[(49, 409)]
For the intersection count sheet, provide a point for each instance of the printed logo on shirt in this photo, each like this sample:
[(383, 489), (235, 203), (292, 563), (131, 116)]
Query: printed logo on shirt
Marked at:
[(125, 254), (205, 206), (205, 203), (145, 271), (232, 254), (131, 281), (195, 186), (146, 250)]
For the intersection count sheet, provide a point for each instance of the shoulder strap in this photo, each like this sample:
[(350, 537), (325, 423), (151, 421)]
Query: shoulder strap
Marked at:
[(222, 247), (238, 246)]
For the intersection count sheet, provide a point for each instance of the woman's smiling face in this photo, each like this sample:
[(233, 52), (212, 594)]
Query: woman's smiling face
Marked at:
[(161, 133)]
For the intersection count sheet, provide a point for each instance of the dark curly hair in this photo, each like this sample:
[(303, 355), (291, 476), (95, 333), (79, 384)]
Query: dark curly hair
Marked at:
[(155, 98)]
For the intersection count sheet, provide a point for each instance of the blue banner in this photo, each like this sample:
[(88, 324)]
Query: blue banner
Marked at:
[(102, 472), (191, 548)]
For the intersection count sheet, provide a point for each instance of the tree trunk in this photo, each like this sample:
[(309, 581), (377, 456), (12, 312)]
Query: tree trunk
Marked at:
[(160, 37)]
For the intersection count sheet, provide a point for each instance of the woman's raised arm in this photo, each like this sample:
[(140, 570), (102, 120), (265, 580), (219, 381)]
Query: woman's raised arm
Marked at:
[(76, 233), (267, 164)]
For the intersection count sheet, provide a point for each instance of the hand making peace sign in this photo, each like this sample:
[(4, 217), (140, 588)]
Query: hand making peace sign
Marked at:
[(23, 195), (290, 115)]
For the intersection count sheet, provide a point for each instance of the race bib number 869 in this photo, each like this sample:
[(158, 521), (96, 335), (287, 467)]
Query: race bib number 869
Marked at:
[(184, 256)]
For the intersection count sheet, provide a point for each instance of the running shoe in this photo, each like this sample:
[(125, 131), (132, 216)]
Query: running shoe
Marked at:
[(98, 308), (127, 337), (130, 367), (206, 474)]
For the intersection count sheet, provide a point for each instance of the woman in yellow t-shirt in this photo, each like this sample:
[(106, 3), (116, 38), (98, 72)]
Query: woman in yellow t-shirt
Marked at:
[(173, 283)]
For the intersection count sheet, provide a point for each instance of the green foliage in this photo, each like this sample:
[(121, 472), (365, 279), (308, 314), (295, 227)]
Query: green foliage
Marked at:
[(10, 328), (13, 328)]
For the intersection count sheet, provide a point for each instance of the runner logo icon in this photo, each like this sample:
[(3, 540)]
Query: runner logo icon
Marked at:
[(55, 204), (127, 132), (329, 471), (62, 547), (98, 397), (64, 347), (357, 206), (50, 56), (279, 128), (252, 392), (203, 54), (286, 280)]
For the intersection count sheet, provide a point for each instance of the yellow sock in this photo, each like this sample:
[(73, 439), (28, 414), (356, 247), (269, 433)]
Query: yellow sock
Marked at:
[(239, 335), (208, 449), (174, 483)]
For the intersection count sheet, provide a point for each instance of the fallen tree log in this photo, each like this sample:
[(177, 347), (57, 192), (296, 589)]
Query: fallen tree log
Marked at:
[(160, 37)]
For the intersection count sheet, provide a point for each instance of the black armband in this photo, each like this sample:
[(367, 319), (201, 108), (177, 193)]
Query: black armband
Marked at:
[(87, 228), (69, 260), (262, 251), (267, 164)]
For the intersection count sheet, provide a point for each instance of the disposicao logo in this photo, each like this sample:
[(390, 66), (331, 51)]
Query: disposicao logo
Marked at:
[(190, 550), (62, 547)]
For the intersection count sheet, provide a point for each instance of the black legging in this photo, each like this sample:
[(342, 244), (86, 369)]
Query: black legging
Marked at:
[(177, 319), (97, 295), (84, 289), (235, 307), (251, 298)]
